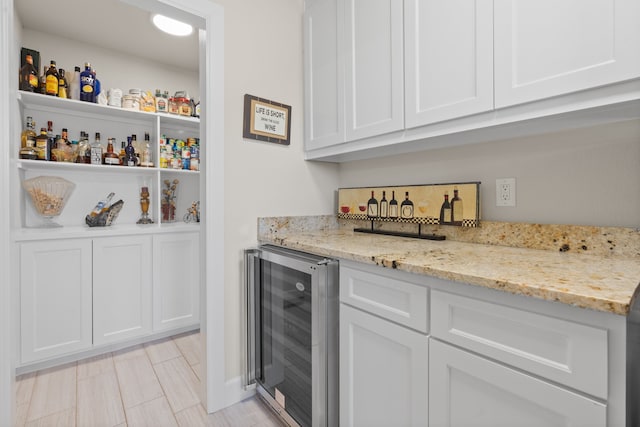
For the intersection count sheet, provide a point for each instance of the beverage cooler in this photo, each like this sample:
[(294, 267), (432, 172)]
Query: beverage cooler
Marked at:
[(292, 345)]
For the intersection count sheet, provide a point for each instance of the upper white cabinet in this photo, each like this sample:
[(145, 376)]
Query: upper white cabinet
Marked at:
[(448, 59), (374, 90), (418, 74), (323, 80), (548, 48)]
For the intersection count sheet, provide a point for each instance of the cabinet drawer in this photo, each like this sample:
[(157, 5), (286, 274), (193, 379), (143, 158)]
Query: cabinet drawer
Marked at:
[(562, 351), (396, 300)]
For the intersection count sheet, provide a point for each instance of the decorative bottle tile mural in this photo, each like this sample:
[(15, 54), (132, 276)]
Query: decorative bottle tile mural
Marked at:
[(445, 204)]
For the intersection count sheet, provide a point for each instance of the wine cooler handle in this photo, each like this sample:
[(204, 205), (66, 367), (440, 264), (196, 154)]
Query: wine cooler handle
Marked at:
[(252, 266)]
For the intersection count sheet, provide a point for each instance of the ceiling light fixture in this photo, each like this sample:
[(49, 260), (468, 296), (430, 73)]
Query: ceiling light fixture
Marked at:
[(171, 26)]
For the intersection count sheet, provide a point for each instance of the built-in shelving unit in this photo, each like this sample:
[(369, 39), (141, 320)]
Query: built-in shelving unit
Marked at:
[(94, 182)]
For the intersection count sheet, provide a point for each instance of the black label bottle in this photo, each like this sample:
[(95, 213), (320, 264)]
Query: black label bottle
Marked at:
[(384, 206), (406, 208), (63, 87), (393, 206), (52, 80), (372, 207), (456, 208), (87, 84), (445, 210), (29, 76)]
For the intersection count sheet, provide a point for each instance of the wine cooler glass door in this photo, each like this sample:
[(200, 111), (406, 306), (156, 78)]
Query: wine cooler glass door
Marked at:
[(285, 344)]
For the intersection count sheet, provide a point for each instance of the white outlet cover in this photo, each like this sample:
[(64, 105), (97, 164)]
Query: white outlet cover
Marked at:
[(506, 192)]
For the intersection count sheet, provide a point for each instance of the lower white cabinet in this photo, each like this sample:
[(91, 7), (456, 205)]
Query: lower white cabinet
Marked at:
[(383, 372), (121, 288), (176, 281), (469, 390), (55, 298), (78, 294)]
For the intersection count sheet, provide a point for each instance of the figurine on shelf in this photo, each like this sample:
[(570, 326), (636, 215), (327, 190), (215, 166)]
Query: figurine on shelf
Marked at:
[(144, 206), (104, 213), (169, 201), (193, 213)]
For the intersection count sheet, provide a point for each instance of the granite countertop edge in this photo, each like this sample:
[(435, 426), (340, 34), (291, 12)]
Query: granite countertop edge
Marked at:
[(601, 283)]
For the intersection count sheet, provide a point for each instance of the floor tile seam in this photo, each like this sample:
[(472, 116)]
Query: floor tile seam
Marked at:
[(173, 411), (94, 378), (124, 406), (175, 414), (113, 366), (35, 383), (164, 360), (28, 421), (124, 409)]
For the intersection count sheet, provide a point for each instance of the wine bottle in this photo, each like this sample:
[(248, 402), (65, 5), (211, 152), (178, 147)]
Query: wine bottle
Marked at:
[(29, 76), (406, 208), (445, 210), (102, 205), (456, 208), (393, 206), (372, 207), (384, 206), (52, 80)]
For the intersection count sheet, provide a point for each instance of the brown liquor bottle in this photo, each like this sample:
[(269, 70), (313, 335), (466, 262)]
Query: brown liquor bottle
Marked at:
[(52, 80), (29, 76), (111, 158)]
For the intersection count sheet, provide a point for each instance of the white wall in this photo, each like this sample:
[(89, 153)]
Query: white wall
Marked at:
[(583, 177), (263, 57), (113, 69)]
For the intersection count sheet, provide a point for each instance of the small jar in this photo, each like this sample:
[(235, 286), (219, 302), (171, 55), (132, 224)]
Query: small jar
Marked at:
[(131, 102)]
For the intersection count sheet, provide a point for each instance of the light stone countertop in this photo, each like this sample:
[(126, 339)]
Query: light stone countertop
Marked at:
[(595, 281)]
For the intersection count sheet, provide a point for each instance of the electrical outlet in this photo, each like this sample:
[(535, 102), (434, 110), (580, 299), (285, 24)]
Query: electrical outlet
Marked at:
[(506, 192)]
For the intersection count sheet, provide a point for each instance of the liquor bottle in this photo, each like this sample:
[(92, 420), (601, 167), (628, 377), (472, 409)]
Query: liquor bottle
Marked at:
[(393, 206), (111, 158), (74, 85), (372, 207), (29, 76), (63, 87), (96, 86), (384, 205), (87, 84), (96, 151), (43, 80), (145, 159), (28, 152), (28, 132), (102, 206), (122, 154), (445, 210), (84, 148), (406, 208), (129, 153), (41, 145), (134, 143), (65, 136), (51, 141), (456, 208), (52, 79)]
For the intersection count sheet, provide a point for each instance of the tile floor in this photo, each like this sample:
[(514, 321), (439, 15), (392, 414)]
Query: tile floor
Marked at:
[(156, 384)]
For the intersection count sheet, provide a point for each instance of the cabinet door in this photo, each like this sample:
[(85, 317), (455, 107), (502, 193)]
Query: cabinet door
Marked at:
[(374, 84), (383, 372), (55, 298), (121, 288), (448, 59), (176, 281), (546, 48), (324, 75), (468, 390)]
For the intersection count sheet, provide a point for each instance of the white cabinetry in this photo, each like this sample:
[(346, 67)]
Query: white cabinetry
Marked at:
[(452, 73), (55, 298), (468, 390), (448, 59), (547, 48), (383, 365), (417, 350), (121, 288), (373, 67), (176, 281), (324, 76)]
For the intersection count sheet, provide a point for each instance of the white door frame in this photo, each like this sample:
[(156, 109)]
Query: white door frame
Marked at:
[(210, 16)]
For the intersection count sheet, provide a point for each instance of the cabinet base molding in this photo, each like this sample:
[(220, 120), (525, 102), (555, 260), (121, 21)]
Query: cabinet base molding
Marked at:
[(98, 350)]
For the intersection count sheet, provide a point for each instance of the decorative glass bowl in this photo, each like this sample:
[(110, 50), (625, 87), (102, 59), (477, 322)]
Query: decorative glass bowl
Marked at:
[(49, 195)]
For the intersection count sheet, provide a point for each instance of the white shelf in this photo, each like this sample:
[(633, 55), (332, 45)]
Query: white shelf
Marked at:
[(38, 101), (65, 166), (66, 232)]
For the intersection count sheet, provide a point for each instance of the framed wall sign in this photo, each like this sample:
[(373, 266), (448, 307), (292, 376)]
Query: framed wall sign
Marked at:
[(266, 120)]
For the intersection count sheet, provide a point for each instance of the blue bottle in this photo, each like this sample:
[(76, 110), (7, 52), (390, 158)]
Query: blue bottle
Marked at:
[(87, 84)]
